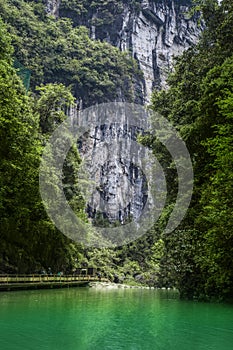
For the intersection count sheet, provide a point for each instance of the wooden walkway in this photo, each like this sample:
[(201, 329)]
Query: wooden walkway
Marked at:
[(24, 282)]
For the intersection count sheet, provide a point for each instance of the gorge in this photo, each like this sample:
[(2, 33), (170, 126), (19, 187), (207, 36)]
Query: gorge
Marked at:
[(153, 33), (59, 58)]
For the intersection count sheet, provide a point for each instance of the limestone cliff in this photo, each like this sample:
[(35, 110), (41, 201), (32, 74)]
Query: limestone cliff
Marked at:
[(153, 31)]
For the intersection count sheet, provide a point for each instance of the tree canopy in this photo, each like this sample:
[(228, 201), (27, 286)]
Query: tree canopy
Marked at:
[(199, 103)]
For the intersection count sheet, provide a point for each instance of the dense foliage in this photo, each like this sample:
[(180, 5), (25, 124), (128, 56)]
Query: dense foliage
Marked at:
[(57, 52), (65, 65), (198, 256), (29, 241)]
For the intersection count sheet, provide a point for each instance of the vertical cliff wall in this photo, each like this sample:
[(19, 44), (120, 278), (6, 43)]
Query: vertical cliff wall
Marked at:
[(153, 31)]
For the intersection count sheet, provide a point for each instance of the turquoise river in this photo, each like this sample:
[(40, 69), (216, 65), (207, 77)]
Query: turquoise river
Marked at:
[(92, 319)]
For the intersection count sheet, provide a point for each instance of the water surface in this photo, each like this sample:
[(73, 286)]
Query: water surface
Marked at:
[(90, 319)]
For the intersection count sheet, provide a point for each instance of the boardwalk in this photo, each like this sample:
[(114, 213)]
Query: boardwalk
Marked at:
[(23, 282)]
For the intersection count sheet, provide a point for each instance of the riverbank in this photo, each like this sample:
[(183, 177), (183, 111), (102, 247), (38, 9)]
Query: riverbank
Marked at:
[(26, 282), (111, 285)]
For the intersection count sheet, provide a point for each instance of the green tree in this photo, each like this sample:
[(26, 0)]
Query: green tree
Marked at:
[(199, 103), (19, 153), (216, 214), (57, 52)]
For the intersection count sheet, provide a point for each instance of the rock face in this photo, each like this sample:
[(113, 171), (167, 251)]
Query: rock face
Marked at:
[(115, 162), (159, 32), (153, 31), (52, 7)]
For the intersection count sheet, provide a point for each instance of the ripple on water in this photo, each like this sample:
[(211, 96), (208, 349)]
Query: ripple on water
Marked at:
[(86, 319)]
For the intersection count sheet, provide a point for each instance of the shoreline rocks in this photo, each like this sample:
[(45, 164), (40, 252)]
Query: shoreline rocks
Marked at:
[(111, 285)]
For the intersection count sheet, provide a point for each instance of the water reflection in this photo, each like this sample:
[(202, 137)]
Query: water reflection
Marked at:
[(86, 319)]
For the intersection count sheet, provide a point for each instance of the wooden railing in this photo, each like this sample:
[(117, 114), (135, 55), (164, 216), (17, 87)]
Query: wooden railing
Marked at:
[(5, 279)]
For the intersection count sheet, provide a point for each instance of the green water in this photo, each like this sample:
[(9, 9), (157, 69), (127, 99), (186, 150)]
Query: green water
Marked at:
[(86, 319)]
